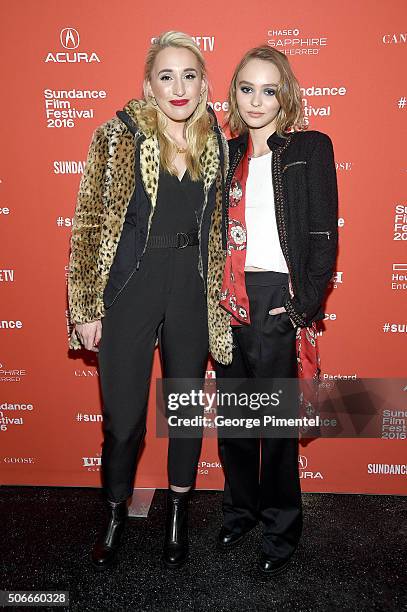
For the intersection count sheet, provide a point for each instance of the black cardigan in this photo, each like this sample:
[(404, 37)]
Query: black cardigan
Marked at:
[(306, 202)]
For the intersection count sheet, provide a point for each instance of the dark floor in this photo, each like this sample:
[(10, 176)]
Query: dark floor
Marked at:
[(352, 556)]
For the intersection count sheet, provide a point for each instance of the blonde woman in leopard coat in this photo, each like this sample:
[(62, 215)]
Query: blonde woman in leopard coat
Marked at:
[(149, 203)]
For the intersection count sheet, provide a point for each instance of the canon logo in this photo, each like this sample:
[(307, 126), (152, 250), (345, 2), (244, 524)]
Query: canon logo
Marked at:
[(395, 39), (69, 38)]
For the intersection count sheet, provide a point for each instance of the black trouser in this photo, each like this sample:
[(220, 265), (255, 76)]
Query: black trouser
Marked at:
[(166, 293), (261, 475)]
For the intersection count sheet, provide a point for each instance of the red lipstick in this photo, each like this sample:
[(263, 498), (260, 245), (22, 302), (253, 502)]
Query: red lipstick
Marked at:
[(179, 102)]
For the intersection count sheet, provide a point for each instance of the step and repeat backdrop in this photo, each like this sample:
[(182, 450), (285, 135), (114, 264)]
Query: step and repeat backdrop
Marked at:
[(68, 67)]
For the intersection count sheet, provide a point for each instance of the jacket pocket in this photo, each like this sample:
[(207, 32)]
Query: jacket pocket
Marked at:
[(294, 164), (326, 232)]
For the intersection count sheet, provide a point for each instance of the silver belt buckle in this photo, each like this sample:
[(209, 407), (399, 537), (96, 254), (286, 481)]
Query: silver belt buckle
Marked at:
[(182, 246)]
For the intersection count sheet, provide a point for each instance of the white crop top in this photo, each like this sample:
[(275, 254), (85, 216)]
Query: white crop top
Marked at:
[(263, 245)]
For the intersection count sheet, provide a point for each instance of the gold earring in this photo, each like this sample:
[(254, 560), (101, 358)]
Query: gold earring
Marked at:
[(155, 101)]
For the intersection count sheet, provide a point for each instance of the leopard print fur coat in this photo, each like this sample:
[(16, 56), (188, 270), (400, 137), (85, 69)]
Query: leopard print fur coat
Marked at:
[(105, 189)]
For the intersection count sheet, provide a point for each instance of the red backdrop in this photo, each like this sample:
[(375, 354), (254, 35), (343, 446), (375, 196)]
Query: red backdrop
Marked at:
[(349, 58)]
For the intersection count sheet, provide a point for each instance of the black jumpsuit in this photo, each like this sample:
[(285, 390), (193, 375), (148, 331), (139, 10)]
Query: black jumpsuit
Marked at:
[(166, 290)]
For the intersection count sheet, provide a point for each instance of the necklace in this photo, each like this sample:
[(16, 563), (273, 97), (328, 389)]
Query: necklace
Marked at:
[(180, 150)]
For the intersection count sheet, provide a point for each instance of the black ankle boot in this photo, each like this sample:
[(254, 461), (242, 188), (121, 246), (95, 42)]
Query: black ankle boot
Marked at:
[(106, 546), (175, 551)]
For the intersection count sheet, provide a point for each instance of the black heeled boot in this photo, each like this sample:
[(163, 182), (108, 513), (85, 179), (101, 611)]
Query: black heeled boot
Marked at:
[(175, 551), (106, 546)]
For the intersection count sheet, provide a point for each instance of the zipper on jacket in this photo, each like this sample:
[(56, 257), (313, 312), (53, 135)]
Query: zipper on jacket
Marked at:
[(328, 232), (123, 286)]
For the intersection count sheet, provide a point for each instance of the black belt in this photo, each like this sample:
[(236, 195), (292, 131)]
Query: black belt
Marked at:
[(179, 240)]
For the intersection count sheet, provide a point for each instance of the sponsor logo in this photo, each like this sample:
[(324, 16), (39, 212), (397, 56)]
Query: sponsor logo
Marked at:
[(302, 462), (6, 276), (86, 373), (291, 41), (70, 39), (11, 374), (205, 466), (394, 39), (92, 464), (399, 277), (305, 472), (344, 165), (206, 43), (327, 376), (19, 460)]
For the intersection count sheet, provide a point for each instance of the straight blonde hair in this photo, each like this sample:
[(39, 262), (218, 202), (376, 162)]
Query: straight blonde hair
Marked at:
[(291, 114), (198, 127)]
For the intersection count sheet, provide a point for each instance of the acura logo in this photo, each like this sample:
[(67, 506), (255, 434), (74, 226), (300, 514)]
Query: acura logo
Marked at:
[(69, 38), (303, 461)]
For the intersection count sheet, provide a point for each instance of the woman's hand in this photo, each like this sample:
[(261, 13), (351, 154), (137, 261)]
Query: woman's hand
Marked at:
[(275, 311), (89, 334)]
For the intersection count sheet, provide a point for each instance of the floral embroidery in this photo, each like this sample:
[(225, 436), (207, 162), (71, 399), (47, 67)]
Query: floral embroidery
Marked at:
[(242, 312), (235, 193), (232, 302), (237, 236)]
